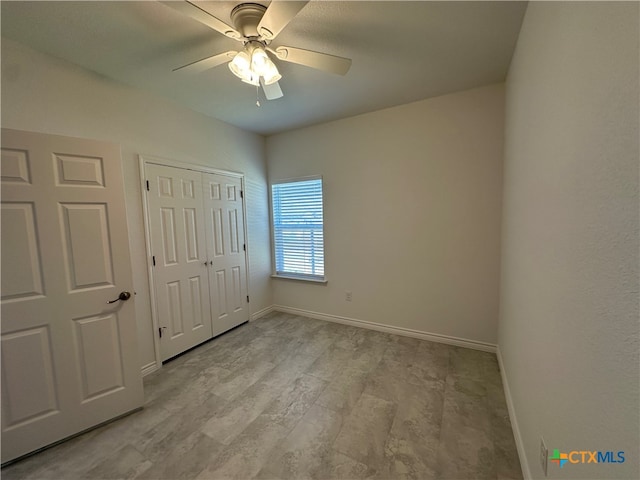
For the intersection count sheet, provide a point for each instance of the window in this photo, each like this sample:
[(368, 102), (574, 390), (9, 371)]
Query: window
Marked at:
[(298, 236)]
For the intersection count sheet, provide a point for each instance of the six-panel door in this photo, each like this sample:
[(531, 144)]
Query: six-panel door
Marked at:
[(69, 359), (226, 246), (181, 270)]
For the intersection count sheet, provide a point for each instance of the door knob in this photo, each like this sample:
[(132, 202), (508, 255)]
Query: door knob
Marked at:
[(124, 296)]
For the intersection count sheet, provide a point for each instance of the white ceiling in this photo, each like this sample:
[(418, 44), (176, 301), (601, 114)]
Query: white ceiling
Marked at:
[(401, 51)]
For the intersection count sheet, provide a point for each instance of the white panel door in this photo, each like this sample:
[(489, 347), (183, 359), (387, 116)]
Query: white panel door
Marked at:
[(69, 358), (181, 267), (226, 245)]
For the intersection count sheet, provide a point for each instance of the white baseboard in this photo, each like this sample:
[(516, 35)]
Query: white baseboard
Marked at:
[(149, 368), (261, 313), (524, 464), (407, 332)]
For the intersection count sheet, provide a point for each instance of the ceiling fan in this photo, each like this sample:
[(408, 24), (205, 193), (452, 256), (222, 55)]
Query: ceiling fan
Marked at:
[(256, 26)]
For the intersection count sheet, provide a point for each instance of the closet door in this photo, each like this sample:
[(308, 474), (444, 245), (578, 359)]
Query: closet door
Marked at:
[(226, 247), (181, 270)]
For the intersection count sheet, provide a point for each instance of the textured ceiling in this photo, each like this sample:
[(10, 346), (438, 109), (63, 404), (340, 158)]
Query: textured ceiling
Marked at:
[(401, 51)]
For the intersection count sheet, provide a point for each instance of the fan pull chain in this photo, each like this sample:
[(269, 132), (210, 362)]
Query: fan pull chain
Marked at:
[(257, 96)]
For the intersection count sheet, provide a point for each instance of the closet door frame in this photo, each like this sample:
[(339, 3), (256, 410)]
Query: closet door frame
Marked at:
[(145, 160)]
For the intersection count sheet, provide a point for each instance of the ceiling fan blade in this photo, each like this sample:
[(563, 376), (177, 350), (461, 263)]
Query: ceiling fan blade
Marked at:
[(191, 9), (277, 16), (206, 63), (272, 91), (309, 58)]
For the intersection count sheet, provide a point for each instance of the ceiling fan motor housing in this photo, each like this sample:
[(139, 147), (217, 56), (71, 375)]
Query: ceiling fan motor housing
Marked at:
[(246, 18)]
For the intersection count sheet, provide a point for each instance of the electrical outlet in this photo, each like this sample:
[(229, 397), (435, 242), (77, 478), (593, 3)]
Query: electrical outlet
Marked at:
[(544, 456), (347, 296)]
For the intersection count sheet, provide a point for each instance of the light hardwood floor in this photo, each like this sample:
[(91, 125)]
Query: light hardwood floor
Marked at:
[(290, 397)]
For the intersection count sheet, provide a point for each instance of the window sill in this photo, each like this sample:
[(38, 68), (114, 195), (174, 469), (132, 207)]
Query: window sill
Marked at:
[(300, 279)]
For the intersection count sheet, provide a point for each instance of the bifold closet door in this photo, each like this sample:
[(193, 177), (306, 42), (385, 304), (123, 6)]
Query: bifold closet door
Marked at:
[(181, 270), (69, 351), (226, 244)]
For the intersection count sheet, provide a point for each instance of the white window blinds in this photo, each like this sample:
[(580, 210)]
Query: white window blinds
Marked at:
[(298, 228)]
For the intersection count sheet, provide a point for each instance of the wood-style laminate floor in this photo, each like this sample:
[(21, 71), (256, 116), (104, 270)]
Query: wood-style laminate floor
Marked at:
[(290, 397)]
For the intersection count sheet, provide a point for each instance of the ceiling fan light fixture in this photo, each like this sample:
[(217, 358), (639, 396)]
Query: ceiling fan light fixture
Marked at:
[(240, 65), (272, 77), (263, 66), (260, 62), (252, 63)]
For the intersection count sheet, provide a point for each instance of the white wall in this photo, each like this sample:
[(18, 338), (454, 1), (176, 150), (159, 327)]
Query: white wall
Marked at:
[(412, 213), (569, 320), (44, 94)]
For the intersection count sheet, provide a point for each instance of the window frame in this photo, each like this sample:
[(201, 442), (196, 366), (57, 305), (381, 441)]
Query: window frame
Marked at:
[(295, 276)]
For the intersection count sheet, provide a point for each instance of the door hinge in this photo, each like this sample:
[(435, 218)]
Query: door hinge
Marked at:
[(247, 298), (241, 194), (153, 259), (148, 189), (244, 247)]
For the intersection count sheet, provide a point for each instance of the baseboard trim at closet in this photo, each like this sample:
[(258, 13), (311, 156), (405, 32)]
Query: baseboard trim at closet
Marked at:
[(261, 313), (407, 332)]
